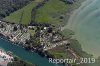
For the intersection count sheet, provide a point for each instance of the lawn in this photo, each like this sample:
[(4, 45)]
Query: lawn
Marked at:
[(32, 32), (51, 12), (23, 16)]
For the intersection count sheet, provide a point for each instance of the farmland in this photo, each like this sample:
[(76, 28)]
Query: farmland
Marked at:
[(22, 16), (51, 12)]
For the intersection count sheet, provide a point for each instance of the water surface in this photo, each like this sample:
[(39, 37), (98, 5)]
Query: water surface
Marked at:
[(25, 55), (85, 22)]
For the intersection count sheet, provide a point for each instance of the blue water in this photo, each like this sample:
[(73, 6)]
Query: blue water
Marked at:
[(25, 55), (85, 22)]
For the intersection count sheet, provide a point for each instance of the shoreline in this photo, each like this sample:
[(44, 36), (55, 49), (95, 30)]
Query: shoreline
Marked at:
[(84, 47), (41, 53), (6, 57), (33, 51), (70, 11)]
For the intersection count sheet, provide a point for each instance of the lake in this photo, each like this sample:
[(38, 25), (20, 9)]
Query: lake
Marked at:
[(85, 22)]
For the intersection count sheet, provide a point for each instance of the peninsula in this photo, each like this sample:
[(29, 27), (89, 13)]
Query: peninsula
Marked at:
[(36, 26)]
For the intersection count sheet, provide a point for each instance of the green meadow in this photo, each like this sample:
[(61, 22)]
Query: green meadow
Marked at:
[(51, 12), (22, 16)]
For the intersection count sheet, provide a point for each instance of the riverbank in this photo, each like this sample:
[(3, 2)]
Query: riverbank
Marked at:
[(18, 61), (32, 57), (40, 52), (43, 53), (5, 57)]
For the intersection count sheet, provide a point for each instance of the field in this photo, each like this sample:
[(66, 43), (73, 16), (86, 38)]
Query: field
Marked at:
[(22, 16), (48, 13), (59, 52), (32, 31), (51, 12)]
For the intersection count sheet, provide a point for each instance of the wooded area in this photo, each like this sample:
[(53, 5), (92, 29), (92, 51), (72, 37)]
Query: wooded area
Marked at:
[(9, 6)]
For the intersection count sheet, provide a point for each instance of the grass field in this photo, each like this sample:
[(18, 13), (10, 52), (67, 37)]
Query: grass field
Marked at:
[(32, 32), (59, 52), (23, 16), (51, 12), (48, 13)]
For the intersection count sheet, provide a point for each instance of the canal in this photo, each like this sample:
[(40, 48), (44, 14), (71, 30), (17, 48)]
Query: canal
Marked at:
[(25, 55)]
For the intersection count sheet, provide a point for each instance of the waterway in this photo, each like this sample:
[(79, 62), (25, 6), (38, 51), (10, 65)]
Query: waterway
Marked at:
[(25, 55), (85, 22)]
